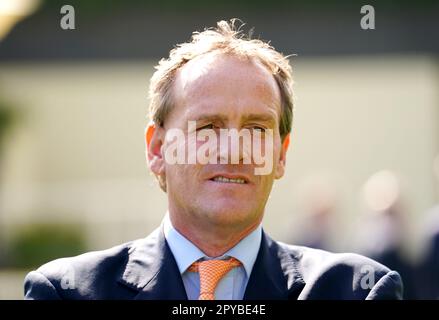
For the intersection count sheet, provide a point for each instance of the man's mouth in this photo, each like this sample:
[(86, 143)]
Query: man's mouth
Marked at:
[(228, 180), (229, 177)]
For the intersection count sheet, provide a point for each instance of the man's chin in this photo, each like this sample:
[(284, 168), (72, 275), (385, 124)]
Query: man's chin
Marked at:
[(226, 213)]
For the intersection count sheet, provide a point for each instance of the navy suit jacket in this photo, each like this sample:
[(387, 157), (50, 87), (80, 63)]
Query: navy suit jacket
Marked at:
[(146, 269)]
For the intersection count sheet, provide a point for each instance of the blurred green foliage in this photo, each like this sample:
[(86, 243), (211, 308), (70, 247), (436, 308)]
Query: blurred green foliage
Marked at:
[(7, 118), (37, 244)]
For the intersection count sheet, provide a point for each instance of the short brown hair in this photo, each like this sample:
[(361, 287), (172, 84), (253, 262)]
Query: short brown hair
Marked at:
[(225, 38)]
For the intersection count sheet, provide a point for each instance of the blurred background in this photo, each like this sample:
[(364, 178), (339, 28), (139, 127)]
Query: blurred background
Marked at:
[(363, 165)]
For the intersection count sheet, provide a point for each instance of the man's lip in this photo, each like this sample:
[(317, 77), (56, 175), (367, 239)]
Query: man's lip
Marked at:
[(231, 176)]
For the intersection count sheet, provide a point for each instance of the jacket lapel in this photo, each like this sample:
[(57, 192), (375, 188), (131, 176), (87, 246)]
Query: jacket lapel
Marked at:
[(275, 275), (151, 269), (153, 272)]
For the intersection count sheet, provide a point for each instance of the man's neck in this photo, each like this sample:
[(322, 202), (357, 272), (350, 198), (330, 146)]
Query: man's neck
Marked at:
[(212, 241)]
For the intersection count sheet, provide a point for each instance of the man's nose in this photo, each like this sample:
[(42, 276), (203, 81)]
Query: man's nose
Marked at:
[(234, 147)]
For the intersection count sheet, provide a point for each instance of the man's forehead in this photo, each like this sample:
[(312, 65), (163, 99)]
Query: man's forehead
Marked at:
[(222, 76), (197, 68)]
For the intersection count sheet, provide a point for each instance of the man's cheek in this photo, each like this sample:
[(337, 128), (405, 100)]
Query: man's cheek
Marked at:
[(263, 152)]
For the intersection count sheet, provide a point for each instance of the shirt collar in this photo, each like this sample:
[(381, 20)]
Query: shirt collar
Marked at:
[(186, 253)]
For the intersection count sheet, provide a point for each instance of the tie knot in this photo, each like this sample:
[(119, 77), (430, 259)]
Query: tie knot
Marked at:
[(211, 272), (215, 265)]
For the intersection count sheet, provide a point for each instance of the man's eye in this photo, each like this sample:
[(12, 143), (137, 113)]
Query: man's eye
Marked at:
[(207, 126), (258, 128)]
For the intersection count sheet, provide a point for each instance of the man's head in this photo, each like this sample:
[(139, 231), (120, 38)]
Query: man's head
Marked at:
[(221, 80)]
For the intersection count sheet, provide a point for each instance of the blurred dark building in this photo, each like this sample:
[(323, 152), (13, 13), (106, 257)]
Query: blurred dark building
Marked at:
[(141, 29)]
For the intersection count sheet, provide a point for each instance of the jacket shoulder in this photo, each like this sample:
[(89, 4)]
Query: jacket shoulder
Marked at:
[(76, 277), (328, 275)]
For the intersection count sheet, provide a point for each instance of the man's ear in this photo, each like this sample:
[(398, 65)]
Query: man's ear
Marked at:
[(280, 168), (154, 138)]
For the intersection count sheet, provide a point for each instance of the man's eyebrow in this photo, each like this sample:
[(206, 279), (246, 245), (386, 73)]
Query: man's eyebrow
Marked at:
[(266, 117), (209, 117)]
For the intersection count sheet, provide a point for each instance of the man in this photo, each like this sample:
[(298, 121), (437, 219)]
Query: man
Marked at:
[(211, 244)]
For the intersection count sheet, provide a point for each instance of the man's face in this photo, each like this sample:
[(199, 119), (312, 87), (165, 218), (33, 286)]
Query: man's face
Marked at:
[(223, 92)]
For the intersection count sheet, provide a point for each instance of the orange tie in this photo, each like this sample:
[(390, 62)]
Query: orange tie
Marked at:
[(211, 272)]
